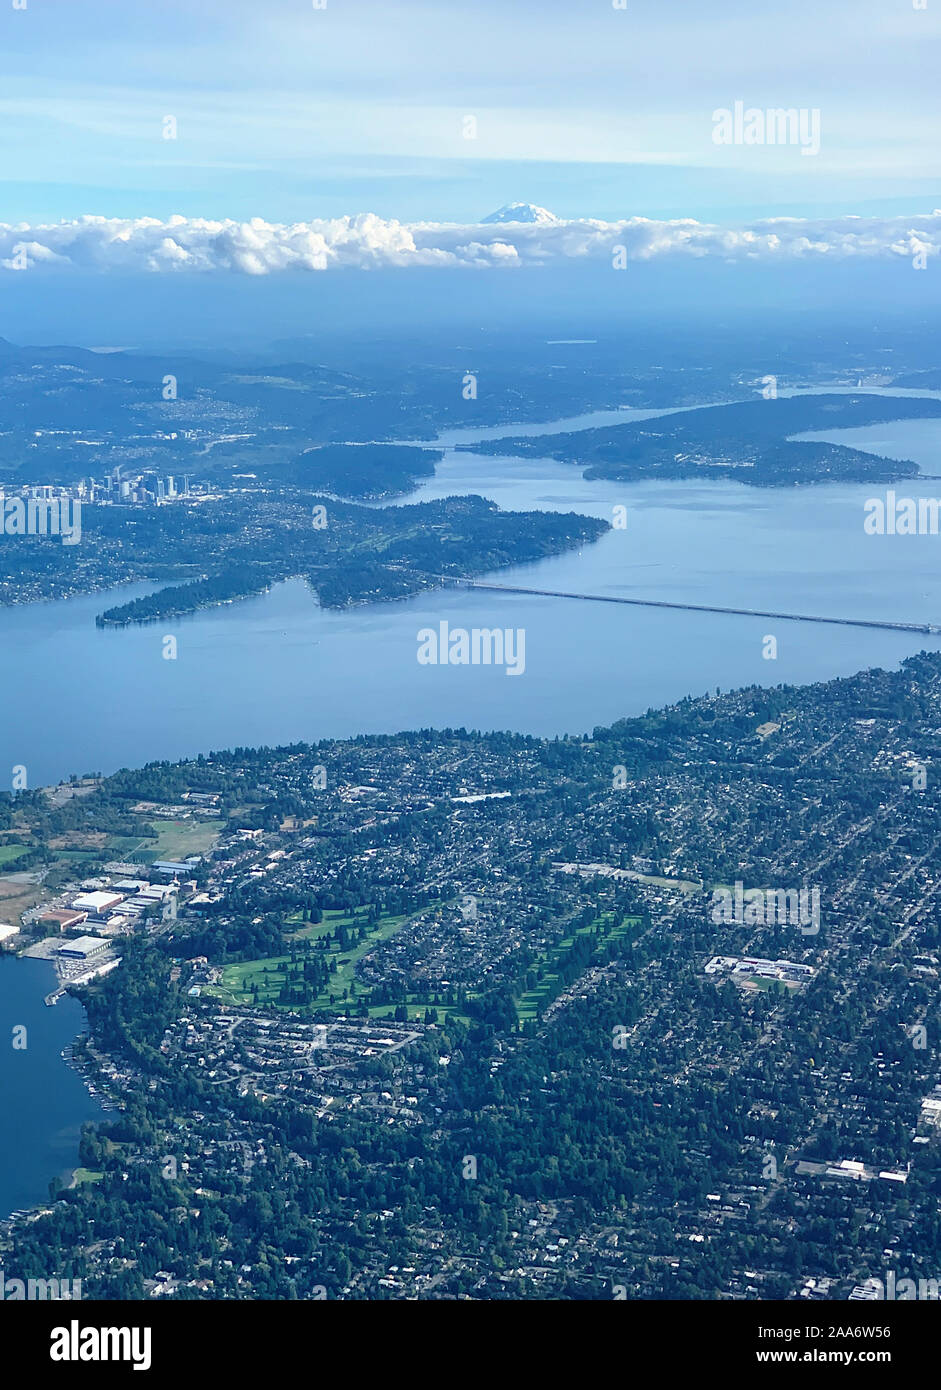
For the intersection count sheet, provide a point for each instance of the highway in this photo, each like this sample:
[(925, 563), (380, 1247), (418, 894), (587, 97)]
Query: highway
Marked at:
[(930, 628)]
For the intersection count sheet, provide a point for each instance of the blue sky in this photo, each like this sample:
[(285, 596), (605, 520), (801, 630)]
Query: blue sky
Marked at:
[(288, 112)]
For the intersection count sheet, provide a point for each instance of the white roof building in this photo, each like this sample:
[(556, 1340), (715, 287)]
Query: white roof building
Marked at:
[(97, 902), (83, 946)]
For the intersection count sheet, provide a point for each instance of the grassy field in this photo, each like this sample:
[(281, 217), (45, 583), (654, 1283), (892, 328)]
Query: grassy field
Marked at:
[(8, 852), (685, 885), (235, 987), (530, 1003), (85, 1175), (16, 898), (176, 839), (388, 927), (416, 1012), (270, 973), (751, 982)]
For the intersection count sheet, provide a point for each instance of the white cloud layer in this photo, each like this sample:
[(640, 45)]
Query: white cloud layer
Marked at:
[(367, 242)]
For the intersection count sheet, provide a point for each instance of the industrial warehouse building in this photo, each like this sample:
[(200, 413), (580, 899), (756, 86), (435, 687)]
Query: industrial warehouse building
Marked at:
[(63, 920), (83, 947), (97, 903)]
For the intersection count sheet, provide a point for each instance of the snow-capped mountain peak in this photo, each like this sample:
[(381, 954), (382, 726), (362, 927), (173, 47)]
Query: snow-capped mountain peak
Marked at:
[(523, 212)]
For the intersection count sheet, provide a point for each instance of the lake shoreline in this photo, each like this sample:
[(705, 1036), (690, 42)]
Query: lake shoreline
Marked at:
[(41, 1085)]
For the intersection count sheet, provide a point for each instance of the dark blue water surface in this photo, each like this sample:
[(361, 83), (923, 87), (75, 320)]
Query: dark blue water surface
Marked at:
[(45, 1103)]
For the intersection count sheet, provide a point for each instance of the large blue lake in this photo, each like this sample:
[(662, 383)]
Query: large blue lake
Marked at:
[(277, 668), (45, 1102)]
